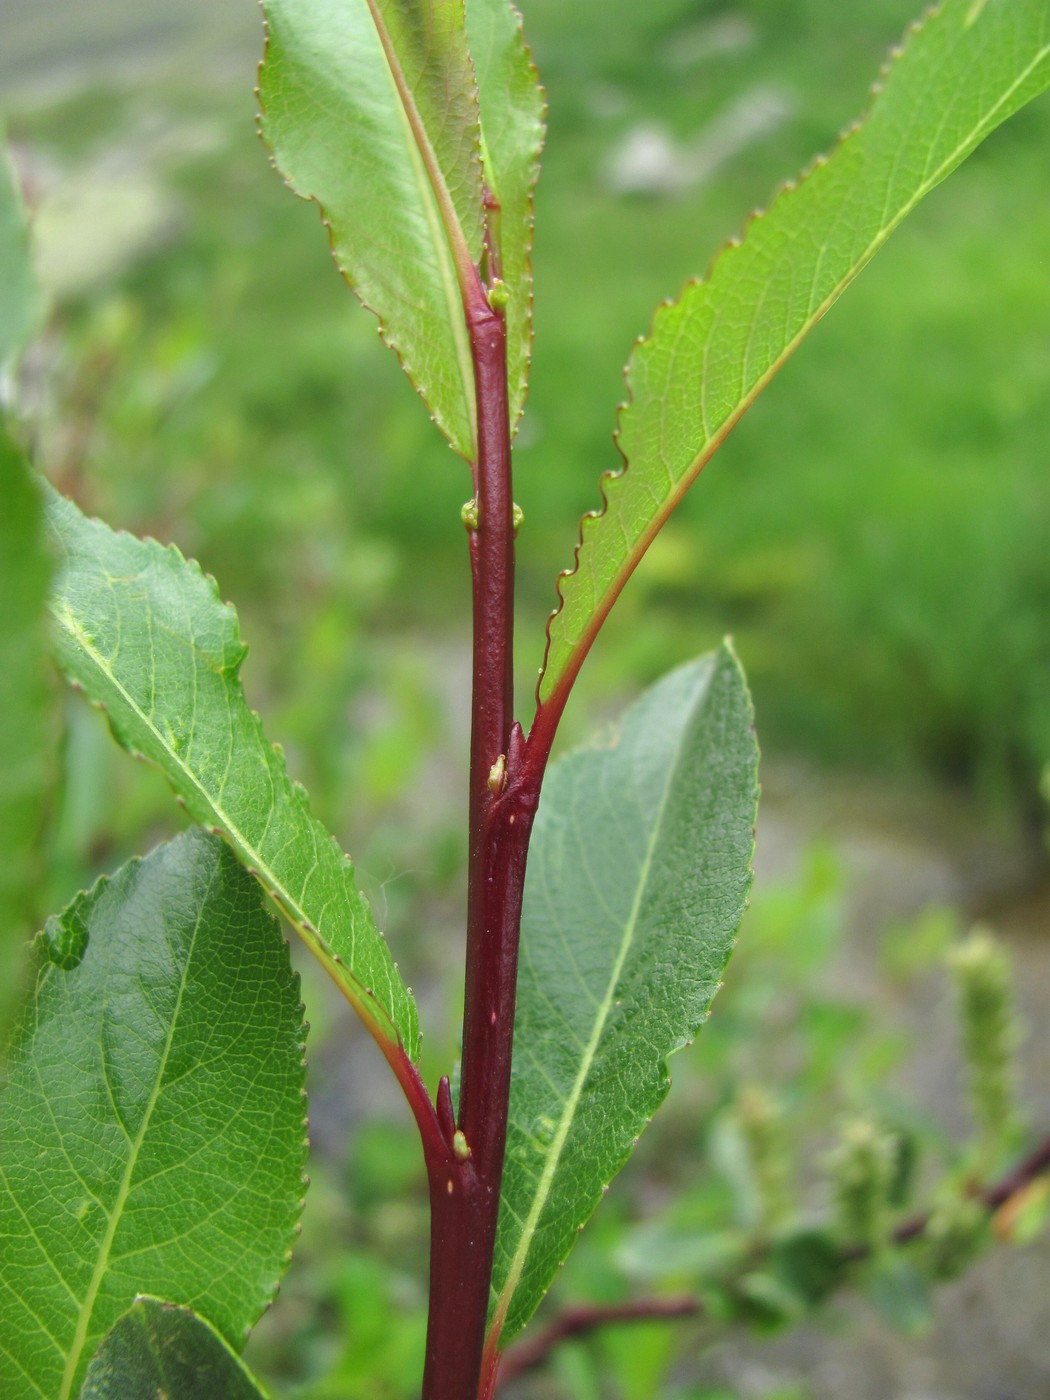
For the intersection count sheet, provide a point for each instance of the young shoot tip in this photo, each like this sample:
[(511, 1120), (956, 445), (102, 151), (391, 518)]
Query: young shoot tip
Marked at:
[(498, 295)]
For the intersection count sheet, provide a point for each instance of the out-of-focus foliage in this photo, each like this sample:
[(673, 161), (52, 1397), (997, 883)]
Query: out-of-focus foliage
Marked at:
[(871, 533), (25, 702), (25, 698), (874, 537), (734, 1196)]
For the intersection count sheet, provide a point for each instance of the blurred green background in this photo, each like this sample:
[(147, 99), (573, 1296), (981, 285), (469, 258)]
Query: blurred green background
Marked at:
[(874, 535)]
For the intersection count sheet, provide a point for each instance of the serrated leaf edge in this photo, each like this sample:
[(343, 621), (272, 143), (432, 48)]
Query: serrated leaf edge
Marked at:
[(724, 655), (521, 391), (364, 1001), (609, 478), (457, 320), (90, 895)]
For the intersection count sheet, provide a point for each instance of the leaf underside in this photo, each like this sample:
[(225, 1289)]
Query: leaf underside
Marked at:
[(512, 110), (638, 875), (153, 1115), (961, 73), (341, 133), (145, 635), (25, 704), (158, 1349), (375, 109)]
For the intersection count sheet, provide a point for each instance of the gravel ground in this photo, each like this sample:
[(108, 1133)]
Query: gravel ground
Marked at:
[(991, 1338)]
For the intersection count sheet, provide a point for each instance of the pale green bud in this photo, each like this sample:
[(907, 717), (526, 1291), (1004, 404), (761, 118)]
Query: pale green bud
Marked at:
[(762, 1126), (862, 1167), (954, 1233), (989, 1034)]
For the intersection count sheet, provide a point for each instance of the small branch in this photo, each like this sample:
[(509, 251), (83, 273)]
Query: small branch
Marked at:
[(577, 1322), (580, 1321), (1036, 1164), (432, 1135)]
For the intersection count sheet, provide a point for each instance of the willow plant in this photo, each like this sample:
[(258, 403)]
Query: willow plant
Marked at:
[(153, 1145)]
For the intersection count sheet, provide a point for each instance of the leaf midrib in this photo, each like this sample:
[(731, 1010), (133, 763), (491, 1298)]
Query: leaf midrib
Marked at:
[(449, 238), (578, 649), (135, 1148), (449, 282), (605, 1007), (366, 1006)]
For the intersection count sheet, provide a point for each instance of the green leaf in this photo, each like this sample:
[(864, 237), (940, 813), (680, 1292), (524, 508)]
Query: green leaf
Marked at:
[(809, 1263), (144, 633), (901, 1295), (153, 1119), (961, 74), (25, 703), (370, 108), (160, 1349), (638, 877), (512, 110), (20, 305), (765, 1304)]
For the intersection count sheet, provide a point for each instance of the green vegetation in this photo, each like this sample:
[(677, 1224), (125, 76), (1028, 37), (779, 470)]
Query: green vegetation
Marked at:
[(729, 1198), (202, 378), (839, 568), (176, 948)]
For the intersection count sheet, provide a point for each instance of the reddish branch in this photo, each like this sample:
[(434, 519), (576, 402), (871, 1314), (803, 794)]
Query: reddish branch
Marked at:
[(577, 1322), (1034, 1165), (992, 1197), (466, 1171), (580, 1321)]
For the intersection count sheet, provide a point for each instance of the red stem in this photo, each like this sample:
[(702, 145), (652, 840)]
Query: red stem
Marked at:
[(492, 560), (579, 1321), (428, 1119), (465, 1183)]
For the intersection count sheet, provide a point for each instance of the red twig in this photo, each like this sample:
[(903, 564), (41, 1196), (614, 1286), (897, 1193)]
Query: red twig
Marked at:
[(1027, 1170), (465, 1180), (579, 1321)]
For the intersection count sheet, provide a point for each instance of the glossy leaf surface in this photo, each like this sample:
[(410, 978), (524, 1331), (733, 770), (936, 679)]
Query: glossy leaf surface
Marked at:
[(25, 695), (512, 125), (638, 876), (144, 633), (370, 108), (962, 73), (158, 1349), (153, 1116)]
